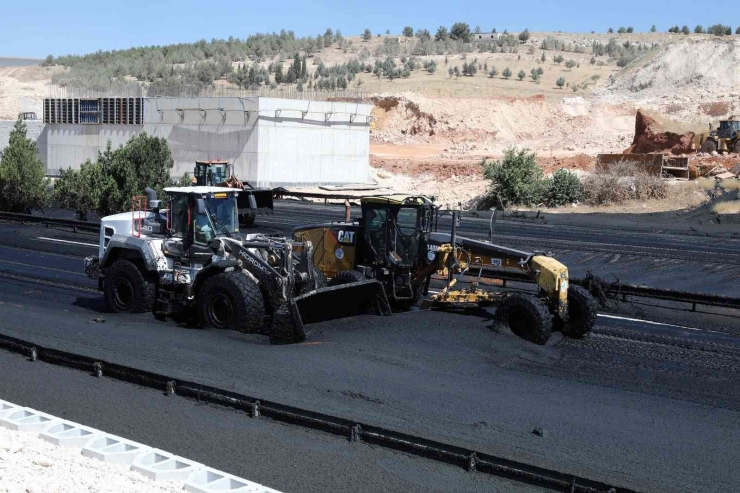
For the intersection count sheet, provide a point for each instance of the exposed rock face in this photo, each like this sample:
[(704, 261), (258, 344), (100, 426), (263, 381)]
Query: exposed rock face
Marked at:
[(649, 138)]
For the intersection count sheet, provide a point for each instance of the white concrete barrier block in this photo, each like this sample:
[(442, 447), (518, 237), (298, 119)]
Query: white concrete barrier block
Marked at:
[(26, 419), (110, 448), (159, 465), (69, 434), (7, 408), (209, 480)]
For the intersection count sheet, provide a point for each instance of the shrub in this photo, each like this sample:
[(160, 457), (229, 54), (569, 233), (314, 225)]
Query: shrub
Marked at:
[(699, 29), (524, 36), (592, 61), (562, 188), (558, 59), (610, 30), (737, 31), (515, 180), (522, 74), (560, 82), (22, 180), (685, 30), (408, 31), (623, 181), (431, 66), (719, 30), (630, 30), (621, 30), (543, 57), (653, 29), (648, 187), (493, 73), (506, 73), (535, 74), (570, 63), (441, 34), (367, 35)]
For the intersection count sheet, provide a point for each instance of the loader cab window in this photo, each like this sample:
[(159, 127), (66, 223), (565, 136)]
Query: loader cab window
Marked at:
[(375, 233), (178, 215), (405, 236)]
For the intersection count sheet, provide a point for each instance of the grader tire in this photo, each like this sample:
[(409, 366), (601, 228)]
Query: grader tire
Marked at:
[(346, 277), (709, 147), (526, 317), (581, 314), (231, 300), (127, 290)]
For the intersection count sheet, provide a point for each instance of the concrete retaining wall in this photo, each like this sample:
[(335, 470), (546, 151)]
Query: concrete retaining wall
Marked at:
[(270, 141)]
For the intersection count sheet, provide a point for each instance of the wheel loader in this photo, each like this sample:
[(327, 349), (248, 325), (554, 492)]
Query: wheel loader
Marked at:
[(725, 138), (251, 202), (186, 257), (396, 242)]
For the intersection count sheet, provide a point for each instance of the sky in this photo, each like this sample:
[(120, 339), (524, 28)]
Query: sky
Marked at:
[(42, 27)]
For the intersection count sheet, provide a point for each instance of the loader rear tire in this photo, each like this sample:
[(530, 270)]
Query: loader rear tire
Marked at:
[(127, 290), (737, 146), (346, 277), (231, 300), (581, 314), (708, 147), (526, 316)]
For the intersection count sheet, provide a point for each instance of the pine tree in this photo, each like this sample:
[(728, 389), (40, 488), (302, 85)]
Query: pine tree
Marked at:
[(22, 181)]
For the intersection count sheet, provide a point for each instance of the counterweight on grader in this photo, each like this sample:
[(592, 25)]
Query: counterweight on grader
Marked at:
[(187, 257), (395, 242)]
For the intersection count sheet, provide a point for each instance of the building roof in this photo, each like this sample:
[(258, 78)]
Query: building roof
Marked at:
[(201, 190)]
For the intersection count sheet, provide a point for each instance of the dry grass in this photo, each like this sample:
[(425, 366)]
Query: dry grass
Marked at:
[(731, 207), (622, 182)]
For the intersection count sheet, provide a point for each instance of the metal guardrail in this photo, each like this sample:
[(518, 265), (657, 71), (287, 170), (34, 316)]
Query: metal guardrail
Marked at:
[(599, 287), (352, 430), (49, 221)]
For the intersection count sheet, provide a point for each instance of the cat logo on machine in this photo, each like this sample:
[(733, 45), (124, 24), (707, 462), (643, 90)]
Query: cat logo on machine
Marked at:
[(346, 237)]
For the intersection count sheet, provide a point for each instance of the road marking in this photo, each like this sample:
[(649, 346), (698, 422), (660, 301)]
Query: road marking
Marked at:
[(651, 322), (67, 241)]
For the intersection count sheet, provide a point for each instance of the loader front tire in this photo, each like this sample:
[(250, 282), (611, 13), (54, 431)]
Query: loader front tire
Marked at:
[(346, 277), (526, 316), (708, 147), (231, 300), (581, 314), (127, 290)]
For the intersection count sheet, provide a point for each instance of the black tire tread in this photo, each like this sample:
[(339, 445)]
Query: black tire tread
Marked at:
[(144, 299), (578, 295), (250, 315), (542, 329)]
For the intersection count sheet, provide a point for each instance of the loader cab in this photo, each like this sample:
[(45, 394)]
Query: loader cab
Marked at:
[(728, 129), (198, 215), (395, 230), (211, 173)]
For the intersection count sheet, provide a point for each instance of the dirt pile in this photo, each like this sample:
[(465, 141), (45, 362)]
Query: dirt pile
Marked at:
[(651, 137)]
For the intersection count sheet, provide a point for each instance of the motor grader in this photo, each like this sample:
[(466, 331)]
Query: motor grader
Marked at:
[(396, 242), (725, 138), (251, 201), (187, 257)]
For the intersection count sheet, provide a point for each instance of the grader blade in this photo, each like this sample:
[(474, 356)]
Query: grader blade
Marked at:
[(345, 300)]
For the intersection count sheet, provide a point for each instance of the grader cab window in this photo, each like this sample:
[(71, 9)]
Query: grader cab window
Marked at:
[(405, 236), (375, 233)]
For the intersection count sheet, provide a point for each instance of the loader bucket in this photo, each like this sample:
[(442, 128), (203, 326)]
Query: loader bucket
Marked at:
[(255, 201), (345, 300)]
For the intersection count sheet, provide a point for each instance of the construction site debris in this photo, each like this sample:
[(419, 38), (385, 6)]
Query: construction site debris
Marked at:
[(650, 138)]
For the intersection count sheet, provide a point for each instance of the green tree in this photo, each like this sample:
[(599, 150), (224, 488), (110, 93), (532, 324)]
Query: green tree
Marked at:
[(685, 30), (22, 181), (81, 190), (506, 73), (367, 35), (524, 36), (450, 71), (621, 30), (570, 63), (560, 82), (535, 74), (653, 28), (408, 31), (431, 66), (460, 31), (493, 73), (328, 36), (558, 59), (441, 34), (522, 74), (610, 30), (49, 61), (563, 188), (592, 61), (699, 29), (543, 57), (630, 29), (737, 31), (514, 180)]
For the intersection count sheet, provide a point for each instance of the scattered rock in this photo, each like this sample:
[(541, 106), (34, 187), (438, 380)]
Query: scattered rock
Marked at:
[(540, 432)]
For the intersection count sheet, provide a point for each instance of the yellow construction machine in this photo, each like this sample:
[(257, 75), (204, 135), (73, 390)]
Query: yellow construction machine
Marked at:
[(725, 138), (396, 242)]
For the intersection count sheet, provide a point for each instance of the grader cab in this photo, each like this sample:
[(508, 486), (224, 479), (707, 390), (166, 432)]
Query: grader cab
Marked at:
[(396, 242)]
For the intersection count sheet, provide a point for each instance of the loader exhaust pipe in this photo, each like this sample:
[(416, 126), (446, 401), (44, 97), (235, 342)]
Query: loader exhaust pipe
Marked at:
[(347, 211)]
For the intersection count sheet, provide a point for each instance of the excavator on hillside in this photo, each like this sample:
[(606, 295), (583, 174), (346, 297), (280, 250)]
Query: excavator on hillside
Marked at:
[(251, 201), (396, 242)]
